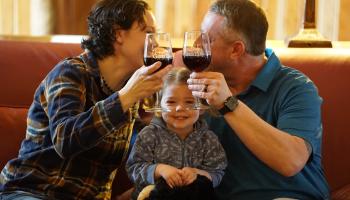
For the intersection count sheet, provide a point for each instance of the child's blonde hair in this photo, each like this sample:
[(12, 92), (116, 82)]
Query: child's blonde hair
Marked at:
[(178, 75)]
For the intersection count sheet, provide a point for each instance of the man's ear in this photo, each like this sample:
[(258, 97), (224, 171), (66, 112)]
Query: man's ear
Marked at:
[(238, 49)]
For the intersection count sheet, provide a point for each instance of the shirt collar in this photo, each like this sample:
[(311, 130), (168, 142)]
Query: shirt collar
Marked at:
[(91, 63), (267, 74), (92, 67)]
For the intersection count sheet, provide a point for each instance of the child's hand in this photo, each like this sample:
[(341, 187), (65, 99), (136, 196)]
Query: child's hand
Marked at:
[(188, 175), (171, 175)]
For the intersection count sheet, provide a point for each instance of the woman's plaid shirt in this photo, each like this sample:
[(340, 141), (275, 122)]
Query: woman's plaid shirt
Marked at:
[(76, 138)]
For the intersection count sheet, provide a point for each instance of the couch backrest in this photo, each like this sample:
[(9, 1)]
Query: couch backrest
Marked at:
[(24, 64), (22, 67), (329, 69)]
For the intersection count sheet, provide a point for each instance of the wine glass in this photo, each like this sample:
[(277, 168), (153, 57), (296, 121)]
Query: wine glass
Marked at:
[(196, 55), (157, 48)]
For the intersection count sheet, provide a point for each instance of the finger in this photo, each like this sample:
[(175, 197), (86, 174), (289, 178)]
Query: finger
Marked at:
[(162, 72), (202, 94), (185, 174), (178, 180), (201, 75), (199, 87), (153, 68), (175, 181), (186, 181), (171, 185), (202, 82), (192, 81), (182, 174), (190, 179)]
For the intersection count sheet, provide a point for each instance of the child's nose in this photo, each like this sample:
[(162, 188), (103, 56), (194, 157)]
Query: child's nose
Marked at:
[(182, 107)]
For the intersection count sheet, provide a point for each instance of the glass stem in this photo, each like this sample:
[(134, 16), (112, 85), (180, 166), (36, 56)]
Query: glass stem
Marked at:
[(198, 103), (157, 103)]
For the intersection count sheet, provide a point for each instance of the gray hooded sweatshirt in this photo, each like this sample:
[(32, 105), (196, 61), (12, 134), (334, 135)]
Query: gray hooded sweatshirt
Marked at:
[(156, 144)]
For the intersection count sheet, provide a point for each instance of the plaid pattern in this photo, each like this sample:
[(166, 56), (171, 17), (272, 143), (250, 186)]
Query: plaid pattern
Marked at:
[(76, 138)]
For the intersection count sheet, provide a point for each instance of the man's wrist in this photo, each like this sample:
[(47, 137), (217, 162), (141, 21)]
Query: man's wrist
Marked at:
[(230, 105)]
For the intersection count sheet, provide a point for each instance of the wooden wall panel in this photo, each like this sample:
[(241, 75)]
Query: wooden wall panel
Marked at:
[(174, 16), (6, 16), (22, 17), (41, 17), (344, 24), (71, 16), (327, 18)]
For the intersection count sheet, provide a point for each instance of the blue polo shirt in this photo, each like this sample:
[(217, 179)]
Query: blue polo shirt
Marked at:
[(288, 100)]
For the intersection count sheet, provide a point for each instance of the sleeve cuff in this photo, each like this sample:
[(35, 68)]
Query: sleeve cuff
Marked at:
[(150, 174), (114, 111)]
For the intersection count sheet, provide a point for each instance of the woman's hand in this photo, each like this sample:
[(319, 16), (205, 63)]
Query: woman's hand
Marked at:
[(211, 86), (143, 83)]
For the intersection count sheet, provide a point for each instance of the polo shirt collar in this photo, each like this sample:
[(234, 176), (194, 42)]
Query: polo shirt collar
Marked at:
[(267, 74)]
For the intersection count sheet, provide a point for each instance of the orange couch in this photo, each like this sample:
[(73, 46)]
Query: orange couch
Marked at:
[(24, 64)]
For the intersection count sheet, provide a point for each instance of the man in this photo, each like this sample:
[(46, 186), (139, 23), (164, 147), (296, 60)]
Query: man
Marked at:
[(270, 124)]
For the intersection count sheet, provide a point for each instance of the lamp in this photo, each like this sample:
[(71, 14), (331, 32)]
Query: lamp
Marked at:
[(309, 36)]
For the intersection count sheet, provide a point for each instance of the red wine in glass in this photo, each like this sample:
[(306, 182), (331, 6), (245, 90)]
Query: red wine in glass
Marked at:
[(165, 61), (152, 104), (157, 48), (197, 63), (196, 55)]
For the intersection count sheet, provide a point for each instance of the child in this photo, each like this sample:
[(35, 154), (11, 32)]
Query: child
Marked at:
[(177, 146)]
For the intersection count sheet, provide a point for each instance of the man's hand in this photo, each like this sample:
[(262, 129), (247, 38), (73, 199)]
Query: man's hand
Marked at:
[(216, 89)]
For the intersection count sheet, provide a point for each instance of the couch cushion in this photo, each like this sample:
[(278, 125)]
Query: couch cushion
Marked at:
[(12, 127)]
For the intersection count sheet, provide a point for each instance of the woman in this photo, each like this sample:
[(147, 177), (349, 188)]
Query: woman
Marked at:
[(80, 121)]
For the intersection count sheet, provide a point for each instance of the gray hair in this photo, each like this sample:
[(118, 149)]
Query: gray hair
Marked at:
[(246, 19)]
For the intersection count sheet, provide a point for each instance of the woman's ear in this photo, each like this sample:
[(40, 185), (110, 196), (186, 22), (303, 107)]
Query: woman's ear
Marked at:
[(119, 35)]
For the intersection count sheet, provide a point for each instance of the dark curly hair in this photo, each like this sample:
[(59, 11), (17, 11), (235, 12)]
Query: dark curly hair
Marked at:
[(105, 18)]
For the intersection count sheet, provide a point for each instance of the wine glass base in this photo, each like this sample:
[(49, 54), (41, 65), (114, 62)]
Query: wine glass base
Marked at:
[(153, 110), (201, 107), (157, 109)]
